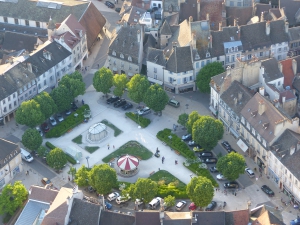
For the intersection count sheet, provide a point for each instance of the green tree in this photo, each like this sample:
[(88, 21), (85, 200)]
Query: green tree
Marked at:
[(29, 113), (231, 165), (72, 172), (12, 197), (120, 82), (57, 159), (156, 98), (42, 151), (75, 85), (207, 131), (76, 75), (102, 178), (200, 190), (137, 87), (206, 73), (193, 117), (62, 98), (103, 80), (182, 119), (82, 176), (32, 139), (46, 103), (169, 201), (143, 188)]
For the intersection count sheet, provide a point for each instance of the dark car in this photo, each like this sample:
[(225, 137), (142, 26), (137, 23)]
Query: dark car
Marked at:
[(110, 4), (112, 99), (267, 190), (187, 137), (118, 10), (108, 205), (74, 107), (213, 169), (205, 155), (211, 206), (231, 184), (231, 150), (120, 103), (46, 181), (226, 145), (68, 112), (210, 160), (45, 127), (127, 106)]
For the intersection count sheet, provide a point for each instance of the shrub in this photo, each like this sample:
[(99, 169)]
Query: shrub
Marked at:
[(142, 121), (49, 145), (202, 172), (164, 191), (78, 139), (69, 123), (71, 159), (91, 149), (117, 131), (7, 218)]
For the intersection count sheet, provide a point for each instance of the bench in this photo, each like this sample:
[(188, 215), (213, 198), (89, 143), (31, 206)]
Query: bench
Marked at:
[(113, 159), (153, 172), (177, 152)]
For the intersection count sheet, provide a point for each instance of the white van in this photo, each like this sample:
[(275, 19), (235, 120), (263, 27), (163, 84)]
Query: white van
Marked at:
[(26, 155), (154, 203)]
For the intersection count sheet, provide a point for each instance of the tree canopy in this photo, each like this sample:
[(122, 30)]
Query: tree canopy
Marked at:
[(182, 119), (76, 75), (12, 197), (169, 201), (156, 98), (103, 80), (29, 113), (193, 117), (143, 188), (207, 132), (137, 87), (74, 84), (206, 73), (120, 81), (231, 165), (200, 190), (32, 139), (102, 178), (82, 176), (62, 98), (56, 159), (47, 105)]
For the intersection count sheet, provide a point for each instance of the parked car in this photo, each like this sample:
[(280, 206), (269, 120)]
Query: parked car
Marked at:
[(144, 111), (192, 143), (46, 181), (112, 99), (119, 103), (231, 150), (59, 117), (226, 145), (186, 137), (154, 203), (110, 4), (205, 155), (139, 201), (221, 177), (267, 190), (198, 148), (231, 184), (112, 196), (108, 205), (192, 206), (74, 107), (68, 112), (213, 169), (40, 131), (45, 127), (211, 206), (118, 10), (127, 106), (210, 160), (249, 172), (52, 121), (180, 205), (174, 103), (122, 199)]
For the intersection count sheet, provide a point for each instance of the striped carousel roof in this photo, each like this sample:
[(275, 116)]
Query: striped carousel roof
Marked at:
[(128, 162)]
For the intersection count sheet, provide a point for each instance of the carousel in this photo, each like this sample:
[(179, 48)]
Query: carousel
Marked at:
[(128, 165)]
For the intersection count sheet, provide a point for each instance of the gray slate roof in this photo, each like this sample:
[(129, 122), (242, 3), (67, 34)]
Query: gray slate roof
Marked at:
[(171, 6), (110, 218), (31, 212), (232, 92), (291, 7), (156, 56), (272, 71), (294, 33), (165, 28), (209, 218), (147, 218), (83, 213), (180, 60), (7, 148), (16, 42), (34, 31)]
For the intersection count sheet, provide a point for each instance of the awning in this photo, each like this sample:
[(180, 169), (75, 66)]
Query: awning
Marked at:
[(169, 86), (186, 87), (213, 110), (242, 145), (155, 81)]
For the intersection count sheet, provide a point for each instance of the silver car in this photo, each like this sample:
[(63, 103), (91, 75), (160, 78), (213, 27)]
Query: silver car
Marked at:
[(40, 131), (59, 117), (144, 111), (52, 121)]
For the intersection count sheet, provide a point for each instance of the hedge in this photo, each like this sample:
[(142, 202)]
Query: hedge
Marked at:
[(49, 145), (165, 190), (175, 143), (202, 172), (69, 158), (68, 123), (142, 121)]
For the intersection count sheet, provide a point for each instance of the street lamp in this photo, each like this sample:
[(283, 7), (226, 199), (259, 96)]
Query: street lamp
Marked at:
[(87, 160)]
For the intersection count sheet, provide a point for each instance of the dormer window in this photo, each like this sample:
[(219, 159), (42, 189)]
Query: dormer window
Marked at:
[(129, 58), (114, 53), (121, 56), (197, 57), (207, 54)]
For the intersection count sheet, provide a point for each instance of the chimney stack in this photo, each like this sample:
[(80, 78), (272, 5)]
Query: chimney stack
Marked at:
[(207, 17), (261, 107), (235, 101), (280, 66), (138, 36), (268, 29), (240, 95), (283, 99), (220, 26), (235, 22), (286, 27), (190, 19), (262, 17), (262, 91), (294, 66)]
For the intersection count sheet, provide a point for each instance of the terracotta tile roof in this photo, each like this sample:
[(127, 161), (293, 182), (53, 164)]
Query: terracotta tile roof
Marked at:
[(288, 95), (214, 9), (243, 14), (42, 194), (287, 71), (239, 217)]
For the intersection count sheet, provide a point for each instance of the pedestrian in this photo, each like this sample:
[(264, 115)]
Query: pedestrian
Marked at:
[(98, 65), (216, 189), (69, 178), (234, 193), (113, 147), (27, 172), (162, 160), (82, 102), (176, 161), (107, 146), (191, 175)]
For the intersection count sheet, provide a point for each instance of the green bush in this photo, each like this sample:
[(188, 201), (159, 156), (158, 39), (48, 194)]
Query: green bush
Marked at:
[(7, 218), (91, 149), (142, 121), (202, 172), (49, 145), (117, 131), (69, 123), (165, 190), (71, 159), (78, 139)]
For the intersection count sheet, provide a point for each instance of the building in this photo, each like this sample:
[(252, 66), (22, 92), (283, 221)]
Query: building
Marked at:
[(156, 62), (10, 161)]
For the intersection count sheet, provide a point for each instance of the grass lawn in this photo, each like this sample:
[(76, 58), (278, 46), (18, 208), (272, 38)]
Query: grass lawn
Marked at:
[(117, 130), (131, 148), (91, 149), (78, 139), (165, 177)]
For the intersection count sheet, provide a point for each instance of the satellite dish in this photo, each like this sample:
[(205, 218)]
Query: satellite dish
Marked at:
[(287, 88)]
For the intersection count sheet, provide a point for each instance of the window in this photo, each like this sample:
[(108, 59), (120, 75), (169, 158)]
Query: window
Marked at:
[(129, 58), (279, 50), (14, 95), (20, 91), (261, 54), (285, 48), (26, 95), (208, 61), (197, 65), (191, 78), (8, 98), (233, 58), (16, 21), (155, 70), (9, 106), (278, 83), (279, 57), (227, 59), (51, 78), (21, 98), (249, 56), (37, 24), (202, 63), (39, 86), (5, 109), (15, 103), (3, 102), (154, 4), (27, 22), (166, 36), (5, 19)]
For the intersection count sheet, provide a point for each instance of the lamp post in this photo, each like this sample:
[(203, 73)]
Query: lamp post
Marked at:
[(87, 160)]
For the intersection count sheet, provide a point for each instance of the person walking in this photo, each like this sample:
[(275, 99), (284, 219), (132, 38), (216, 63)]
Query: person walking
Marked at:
[(69, 178), (162, 160), (107, 146), (27, 172), (176, 162), (113, 147)]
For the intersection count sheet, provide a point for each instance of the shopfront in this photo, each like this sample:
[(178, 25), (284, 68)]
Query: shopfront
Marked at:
[(187, 88), (288, 193), (169, 88), (261, 164), (273, 175)]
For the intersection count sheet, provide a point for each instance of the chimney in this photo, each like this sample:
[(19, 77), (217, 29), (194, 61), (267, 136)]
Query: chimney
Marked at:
[(295, 122), (138, 36), (261, 107), (29, 67), (198, 10), (190, 19), (276, 103), (262, 91), (286, 27), (292, 150), (280, 67), (262, 17), (174, 44), (294, 66), (235, 22), (269, 2), (220, 26), (240, 95), (298, 146), (235, 101), (68, 200), (283, 99), (194, 40), (207, 17), (268, 28)]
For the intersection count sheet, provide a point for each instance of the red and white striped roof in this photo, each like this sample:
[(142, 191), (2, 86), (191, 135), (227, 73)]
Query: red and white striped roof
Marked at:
[(128, 162)]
